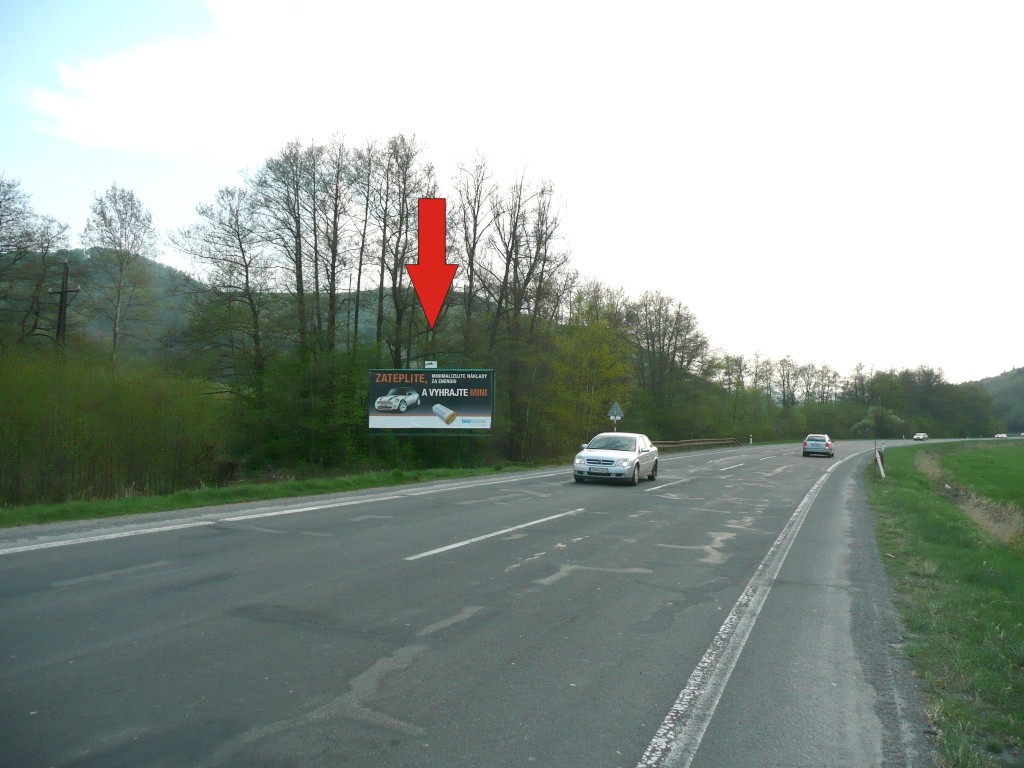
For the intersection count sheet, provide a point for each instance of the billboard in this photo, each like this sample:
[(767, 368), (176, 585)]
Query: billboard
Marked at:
[(436, 398)]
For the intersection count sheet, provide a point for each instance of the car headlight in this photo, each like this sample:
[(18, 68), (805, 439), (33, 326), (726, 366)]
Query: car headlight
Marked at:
[(579, 459), (622, 462)]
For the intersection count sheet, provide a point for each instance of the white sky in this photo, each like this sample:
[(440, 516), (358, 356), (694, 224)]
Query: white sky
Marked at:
[(838, 182)]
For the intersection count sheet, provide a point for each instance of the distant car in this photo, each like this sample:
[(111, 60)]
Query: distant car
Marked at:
[(819, 444), (921, 436), (616, 456), (1000, 434), (398, 399)]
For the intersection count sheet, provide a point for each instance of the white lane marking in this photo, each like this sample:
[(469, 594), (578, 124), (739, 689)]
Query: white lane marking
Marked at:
[(481, 483), (313, 508), (105, 537), (677, 740), (474, 540), (362, 518), (503, 497), (722, 469), (660, 486), (258, 515)]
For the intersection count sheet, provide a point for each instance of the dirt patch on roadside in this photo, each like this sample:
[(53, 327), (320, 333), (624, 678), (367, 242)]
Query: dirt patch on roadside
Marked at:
[(1002, 520)]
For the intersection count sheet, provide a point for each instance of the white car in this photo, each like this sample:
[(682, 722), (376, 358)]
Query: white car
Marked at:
[(1000, 435), (397, 399), (921, 436), (616, 456)]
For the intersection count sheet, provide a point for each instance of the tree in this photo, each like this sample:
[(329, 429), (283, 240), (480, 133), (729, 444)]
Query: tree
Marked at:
[(405, 177), (229, 245), (120, 232), (281, 187), (17, 221), (472, 190)]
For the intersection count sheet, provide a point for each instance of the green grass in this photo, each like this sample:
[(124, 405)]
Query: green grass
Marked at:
[(995, 471), (243, 492), (960, 592)]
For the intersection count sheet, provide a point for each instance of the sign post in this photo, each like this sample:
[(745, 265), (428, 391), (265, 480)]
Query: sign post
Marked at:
[(615, 414)]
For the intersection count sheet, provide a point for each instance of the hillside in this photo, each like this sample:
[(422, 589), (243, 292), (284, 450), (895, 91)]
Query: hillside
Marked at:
[(1007, 391)]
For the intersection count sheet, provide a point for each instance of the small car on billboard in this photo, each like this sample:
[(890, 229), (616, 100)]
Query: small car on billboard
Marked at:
[(398, 399), (616, 456)]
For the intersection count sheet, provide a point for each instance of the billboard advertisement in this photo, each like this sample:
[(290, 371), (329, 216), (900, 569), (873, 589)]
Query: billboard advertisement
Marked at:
[(433, 398)]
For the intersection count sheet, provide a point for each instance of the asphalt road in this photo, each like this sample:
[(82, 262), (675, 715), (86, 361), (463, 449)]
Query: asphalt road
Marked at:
[(732, 613)]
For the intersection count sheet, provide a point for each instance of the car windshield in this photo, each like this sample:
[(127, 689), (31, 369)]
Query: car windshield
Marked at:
[(817, 438), (396, 392), (613, 443)]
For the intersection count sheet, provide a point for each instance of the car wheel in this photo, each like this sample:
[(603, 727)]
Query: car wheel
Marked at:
[(635, 479), (578, 479), (806, 454), (402, 406), (654, 472)]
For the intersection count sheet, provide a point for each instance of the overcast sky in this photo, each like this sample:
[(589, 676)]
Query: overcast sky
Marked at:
[(842, 183)]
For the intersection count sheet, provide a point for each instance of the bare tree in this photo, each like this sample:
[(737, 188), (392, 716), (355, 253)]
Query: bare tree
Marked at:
[(17, 222), (404, 179), (363, 172), (510, 215), (473, 189), (229, 246), (120, 232), (281, 188), (332, 225)]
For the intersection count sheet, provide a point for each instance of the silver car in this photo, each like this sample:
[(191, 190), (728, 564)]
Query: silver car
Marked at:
[(819, 444), (617, 456)]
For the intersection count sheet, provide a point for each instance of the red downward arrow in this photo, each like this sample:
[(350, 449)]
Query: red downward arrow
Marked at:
[(431, 276)]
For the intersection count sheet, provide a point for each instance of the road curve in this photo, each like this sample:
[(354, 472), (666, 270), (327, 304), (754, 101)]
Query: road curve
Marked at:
[(734, 612)]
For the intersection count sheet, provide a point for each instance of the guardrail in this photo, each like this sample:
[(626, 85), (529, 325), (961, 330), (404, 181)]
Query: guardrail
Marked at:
[(689, 445)]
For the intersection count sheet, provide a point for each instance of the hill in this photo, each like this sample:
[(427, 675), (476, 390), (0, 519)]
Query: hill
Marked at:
[(1007, 392)]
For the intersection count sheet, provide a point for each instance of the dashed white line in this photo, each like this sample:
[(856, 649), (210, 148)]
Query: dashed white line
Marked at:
[(475, 539)]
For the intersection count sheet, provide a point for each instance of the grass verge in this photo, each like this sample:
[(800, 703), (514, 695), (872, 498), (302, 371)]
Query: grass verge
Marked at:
[(231, 494), (960, 592)]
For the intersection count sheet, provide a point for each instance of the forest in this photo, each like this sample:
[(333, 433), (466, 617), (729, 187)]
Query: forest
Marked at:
[(131, 377)]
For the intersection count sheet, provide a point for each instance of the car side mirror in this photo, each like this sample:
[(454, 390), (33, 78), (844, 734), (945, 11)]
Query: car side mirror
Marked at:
[(583, 446)]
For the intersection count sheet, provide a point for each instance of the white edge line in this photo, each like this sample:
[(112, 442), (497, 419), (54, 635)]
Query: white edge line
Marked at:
[(105, 537), (458, 544), (676, 742), (253, 516), (297, 510), (722, 469)]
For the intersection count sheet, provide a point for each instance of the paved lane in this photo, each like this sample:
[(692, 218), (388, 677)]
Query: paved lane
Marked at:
[(519, 620)]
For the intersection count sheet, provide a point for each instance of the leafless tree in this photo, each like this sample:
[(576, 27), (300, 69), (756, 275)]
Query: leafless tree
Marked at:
[(405, 178), (17, 225), (473, 189), (281, 188), (120, 232), (363, 173), (229, 246), (334, 225)]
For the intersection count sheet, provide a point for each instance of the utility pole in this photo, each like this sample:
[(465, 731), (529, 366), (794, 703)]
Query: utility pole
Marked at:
[(62, 307)]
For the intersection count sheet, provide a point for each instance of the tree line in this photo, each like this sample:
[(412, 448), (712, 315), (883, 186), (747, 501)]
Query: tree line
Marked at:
[(300, 287)]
